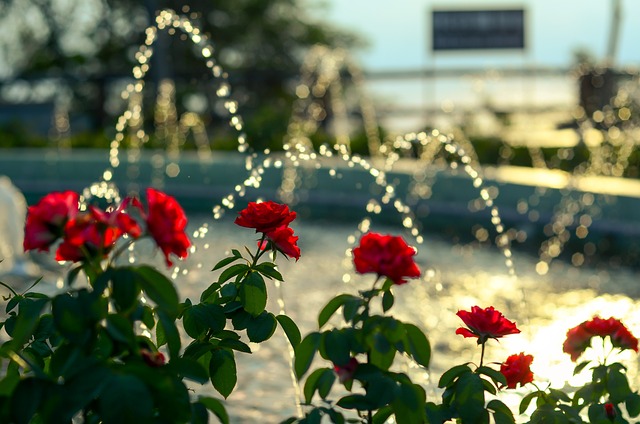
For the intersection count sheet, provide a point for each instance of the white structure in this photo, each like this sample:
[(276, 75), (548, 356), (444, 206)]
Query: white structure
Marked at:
[(13, 212)]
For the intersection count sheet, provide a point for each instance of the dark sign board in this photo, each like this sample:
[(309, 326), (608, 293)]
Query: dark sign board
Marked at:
[(477, 29)]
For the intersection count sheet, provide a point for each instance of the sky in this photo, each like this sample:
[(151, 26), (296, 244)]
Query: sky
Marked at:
[(554, 30)]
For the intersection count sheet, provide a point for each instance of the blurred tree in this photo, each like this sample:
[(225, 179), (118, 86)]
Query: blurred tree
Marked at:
[(91, 42)]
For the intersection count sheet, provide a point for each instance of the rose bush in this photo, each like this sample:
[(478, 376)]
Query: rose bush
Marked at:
[(108, 348), (118, 346)]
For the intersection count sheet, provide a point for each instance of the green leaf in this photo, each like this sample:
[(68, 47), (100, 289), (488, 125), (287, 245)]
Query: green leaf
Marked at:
[(253, 294), (64, 360), (587, 393), (387, 300), (336, 345), (438, 413), (26, 399), (26, 322), (222, 369), (358, 402), (448, 376), (199, 414), (189, 369), (10, 379), (10, 323), (62, 403), (262, 327), (336, 417), (597, 414), (228, 292), (325, 382), (72, 275), (235, 345), (290, 329), (70, 317), (382, 415), (226, 261), (45, 328), (313, 417), (381, 389), (383, 354), (305, 352), (269, 270), (417, 345), (524, 403), (580, 367), (147, 317), (351, 307), (311, 385), (409, 404), (330, 308), (239, 318), (215, 406), (159, 289), (559, 395), (469, 400), (125, 289), (125, 399), (210, 294), (633, 404), (197, 348), (120, 329), (171, 396), (232, 271), (104, 345), (166, 331), (497, 377), (501, 412), (547, 414), (489, 387), (201, 318), (617, 386), (13, 302)]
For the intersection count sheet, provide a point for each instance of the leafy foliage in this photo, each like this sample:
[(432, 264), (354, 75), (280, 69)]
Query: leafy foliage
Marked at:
[(90, 351)]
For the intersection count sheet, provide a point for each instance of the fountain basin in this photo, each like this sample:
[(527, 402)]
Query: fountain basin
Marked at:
[(527, 198)]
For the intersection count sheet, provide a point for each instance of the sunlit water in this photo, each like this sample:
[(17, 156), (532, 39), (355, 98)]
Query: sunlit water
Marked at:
[(455, 277)]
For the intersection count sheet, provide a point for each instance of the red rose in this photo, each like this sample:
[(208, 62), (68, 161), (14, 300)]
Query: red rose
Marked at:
[(385, 255), (46, 220), (94, 233), (265, 216), (153, 359), (346, 372), (86, 236), (579, 337), (601, 327), (517, 370), (284, 241), (119, 220), (485, 324), (166, 223), (578, 340), (623, 339), (614, 328), (610, 410)]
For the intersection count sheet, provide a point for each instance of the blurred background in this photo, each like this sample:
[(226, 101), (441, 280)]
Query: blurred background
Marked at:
[(64, 63)]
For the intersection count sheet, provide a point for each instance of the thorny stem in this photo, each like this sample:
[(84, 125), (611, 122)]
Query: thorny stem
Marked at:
[(367, 299), (260, 251), (120, 250), (482, 353), (365, 315)]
